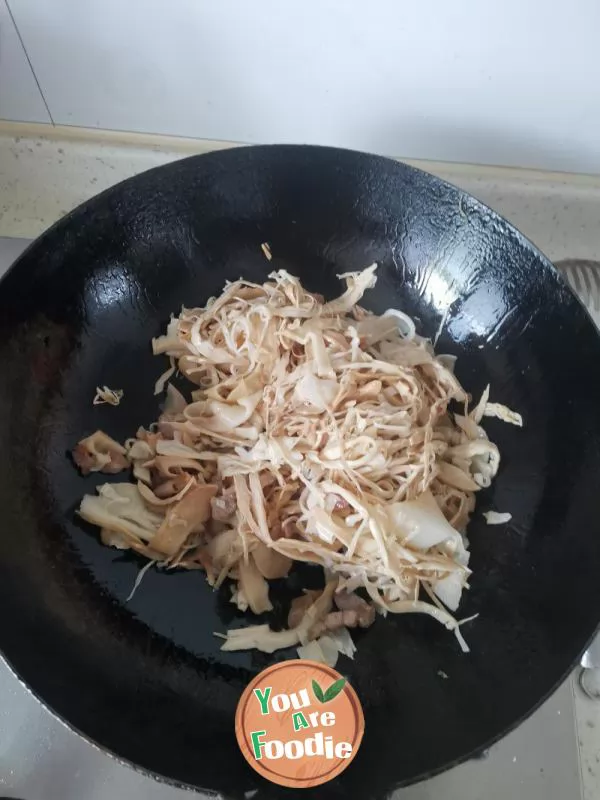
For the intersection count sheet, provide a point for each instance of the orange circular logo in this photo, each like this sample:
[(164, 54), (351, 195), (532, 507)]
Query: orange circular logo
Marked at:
[(299, 723)]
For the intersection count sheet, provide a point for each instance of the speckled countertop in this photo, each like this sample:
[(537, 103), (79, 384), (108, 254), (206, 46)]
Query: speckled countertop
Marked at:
[(45, 172)]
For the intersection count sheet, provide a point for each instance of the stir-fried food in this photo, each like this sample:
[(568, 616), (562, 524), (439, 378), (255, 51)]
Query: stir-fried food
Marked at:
[(112, 397), (315, 432)]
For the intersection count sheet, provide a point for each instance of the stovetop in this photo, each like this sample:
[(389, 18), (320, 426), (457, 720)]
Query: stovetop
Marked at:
[(42, 759)]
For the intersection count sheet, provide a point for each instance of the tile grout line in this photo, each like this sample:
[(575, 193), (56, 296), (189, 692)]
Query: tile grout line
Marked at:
[(35, 77)]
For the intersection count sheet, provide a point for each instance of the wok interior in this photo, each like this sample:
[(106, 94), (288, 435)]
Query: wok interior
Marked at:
[(146, 680)]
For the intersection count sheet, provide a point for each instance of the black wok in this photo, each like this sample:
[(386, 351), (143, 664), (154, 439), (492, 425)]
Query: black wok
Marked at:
[(145, 679)]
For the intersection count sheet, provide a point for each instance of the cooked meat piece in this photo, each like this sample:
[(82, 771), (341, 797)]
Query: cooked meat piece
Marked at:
[(166, 429), (349, 602), (224, 506), (333, 502), (183, 518), (360, 615), (148, 437), (100, 453), (350, 618)]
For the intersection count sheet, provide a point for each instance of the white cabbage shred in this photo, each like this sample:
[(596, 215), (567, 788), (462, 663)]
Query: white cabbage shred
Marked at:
[(112, 397), (497, 517), (316, 432)]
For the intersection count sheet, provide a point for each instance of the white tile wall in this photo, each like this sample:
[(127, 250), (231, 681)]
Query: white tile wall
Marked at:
[(516, 82), (20, 97)]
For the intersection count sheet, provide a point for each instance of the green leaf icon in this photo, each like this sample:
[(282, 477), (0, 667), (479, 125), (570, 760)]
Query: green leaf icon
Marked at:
[(334, 690), (318, 692)]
